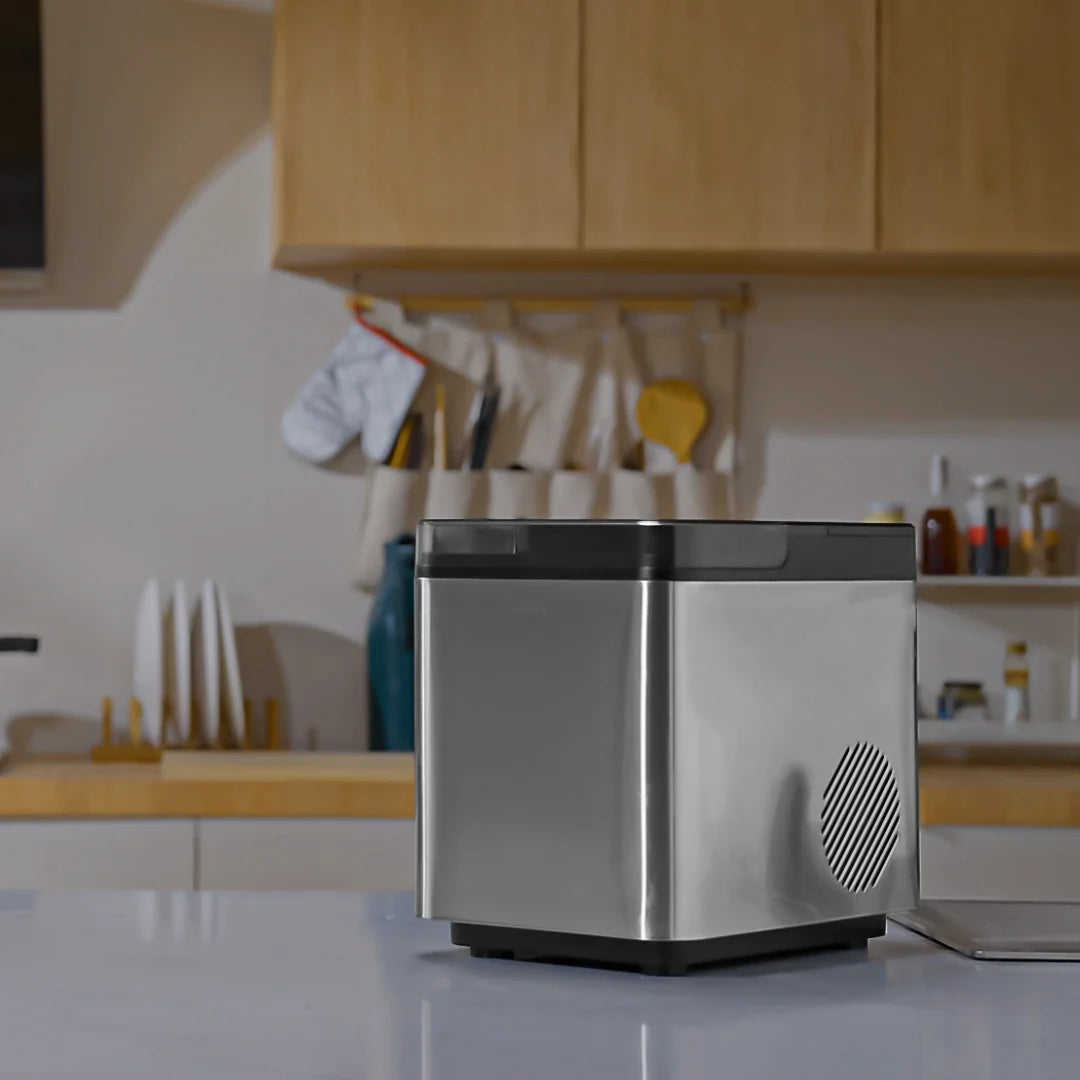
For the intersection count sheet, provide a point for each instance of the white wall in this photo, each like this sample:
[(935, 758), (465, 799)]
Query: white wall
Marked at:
[(850, 386), (140, 392), (139, 403)]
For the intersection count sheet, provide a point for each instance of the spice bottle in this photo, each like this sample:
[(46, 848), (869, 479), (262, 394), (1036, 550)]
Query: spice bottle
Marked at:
[(938, 535), (988, 526), (1040, 524), (1017, 701)]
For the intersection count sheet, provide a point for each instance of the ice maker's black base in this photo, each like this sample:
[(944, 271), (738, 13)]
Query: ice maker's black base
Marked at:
[(661, 957)]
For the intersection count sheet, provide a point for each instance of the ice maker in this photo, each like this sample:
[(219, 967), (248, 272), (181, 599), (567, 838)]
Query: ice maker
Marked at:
[(660, 744)]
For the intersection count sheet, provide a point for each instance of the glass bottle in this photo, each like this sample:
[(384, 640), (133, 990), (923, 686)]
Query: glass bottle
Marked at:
[(988, 526), (1040, 524), (939, 536), (1017, 701)]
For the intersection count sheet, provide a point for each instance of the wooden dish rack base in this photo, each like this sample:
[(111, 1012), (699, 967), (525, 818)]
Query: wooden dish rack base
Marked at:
[(136, 749)]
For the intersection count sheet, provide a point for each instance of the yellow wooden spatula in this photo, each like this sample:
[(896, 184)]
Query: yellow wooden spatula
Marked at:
[(673, 413)]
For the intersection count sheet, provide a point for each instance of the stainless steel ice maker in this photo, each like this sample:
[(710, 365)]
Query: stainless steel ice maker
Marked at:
[(660, 743)]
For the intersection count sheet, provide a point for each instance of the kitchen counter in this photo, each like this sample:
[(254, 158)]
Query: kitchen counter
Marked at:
[(224, 785), (1008, 795), (381, 786), (340, 985)]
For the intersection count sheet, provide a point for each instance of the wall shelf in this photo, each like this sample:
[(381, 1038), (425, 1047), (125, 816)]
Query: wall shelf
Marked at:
[(960, 588), (970, 583), (981, 733)]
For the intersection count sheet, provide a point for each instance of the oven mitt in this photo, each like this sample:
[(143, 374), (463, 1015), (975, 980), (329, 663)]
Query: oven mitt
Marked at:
[(365, 388)]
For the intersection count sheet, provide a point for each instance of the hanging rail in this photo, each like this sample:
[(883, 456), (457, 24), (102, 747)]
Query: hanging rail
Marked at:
[(737, 303)]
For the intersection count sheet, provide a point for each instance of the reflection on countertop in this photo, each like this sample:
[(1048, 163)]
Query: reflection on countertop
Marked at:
[(338, 985)]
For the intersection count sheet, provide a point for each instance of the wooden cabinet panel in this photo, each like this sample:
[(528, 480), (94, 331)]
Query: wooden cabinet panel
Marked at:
[(424, 123), (365, 856), (736, 125), (980, 126), (97, 854)]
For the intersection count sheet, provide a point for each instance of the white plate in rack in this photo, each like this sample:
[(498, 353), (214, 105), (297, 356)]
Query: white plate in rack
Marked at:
[(230, 663), (148, 681), (206, 673), (178, 659)]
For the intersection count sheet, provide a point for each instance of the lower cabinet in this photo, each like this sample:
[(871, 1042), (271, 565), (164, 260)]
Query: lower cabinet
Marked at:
[(377, 855), (362, 855), (984, 863), (66, 854)]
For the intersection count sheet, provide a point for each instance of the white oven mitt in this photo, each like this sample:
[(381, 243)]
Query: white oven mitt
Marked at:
[(365, 387)]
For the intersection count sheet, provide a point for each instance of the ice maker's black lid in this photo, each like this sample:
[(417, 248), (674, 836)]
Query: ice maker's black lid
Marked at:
[(672, 550)]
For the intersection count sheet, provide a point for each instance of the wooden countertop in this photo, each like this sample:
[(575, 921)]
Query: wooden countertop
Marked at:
[(381, 786), (977, 794), (294, 786)]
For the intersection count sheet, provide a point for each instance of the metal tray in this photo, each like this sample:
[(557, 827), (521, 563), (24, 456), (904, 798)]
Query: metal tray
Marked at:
[(999, 929)]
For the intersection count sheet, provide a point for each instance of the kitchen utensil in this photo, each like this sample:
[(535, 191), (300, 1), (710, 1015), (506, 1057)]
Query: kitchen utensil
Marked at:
[(399, 456), (575, 657), (673, 413), (230, 662), (178, 660), (149, 676), (206, 672), (485, 425), (439, 427), (635, 457)]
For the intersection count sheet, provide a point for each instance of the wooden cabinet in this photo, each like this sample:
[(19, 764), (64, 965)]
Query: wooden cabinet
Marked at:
[(426, 124), (358, 855), (742, 134), (68, 854), (980, 126), (729, 125)]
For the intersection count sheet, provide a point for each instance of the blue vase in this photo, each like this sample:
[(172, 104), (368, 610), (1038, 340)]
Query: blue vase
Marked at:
[(391, 651)]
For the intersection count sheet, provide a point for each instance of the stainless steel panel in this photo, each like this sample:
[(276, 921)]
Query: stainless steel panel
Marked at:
[(536, 806), (647, 760), (773, 681)]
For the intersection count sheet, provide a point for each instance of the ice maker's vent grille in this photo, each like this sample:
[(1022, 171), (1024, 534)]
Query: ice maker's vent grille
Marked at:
[(860, 817)]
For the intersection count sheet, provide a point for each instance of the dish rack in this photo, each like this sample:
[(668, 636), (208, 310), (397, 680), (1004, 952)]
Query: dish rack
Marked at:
[(135, 749)]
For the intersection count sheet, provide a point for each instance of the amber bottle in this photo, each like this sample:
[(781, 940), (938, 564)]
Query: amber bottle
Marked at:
[(940, 539)]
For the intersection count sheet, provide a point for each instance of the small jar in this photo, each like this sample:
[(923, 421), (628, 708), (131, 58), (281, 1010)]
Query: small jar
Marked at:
[(884, 513), (1040, 524)]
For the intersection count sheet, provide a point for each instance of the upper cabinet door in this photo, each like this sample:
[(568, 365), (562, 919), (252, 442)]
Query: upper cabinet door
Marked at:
[(980, 126), (729, 125), (427, 123)]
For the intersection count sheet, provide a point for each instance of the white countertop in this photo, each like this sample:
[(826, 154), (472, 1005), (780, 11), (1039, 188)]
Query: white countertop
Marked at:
[(336, 985)]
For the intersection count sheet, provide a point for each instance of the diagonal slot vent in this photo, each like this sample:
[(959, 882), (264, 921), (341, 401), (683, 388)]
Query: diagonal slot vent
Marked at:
[(860, 817)]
